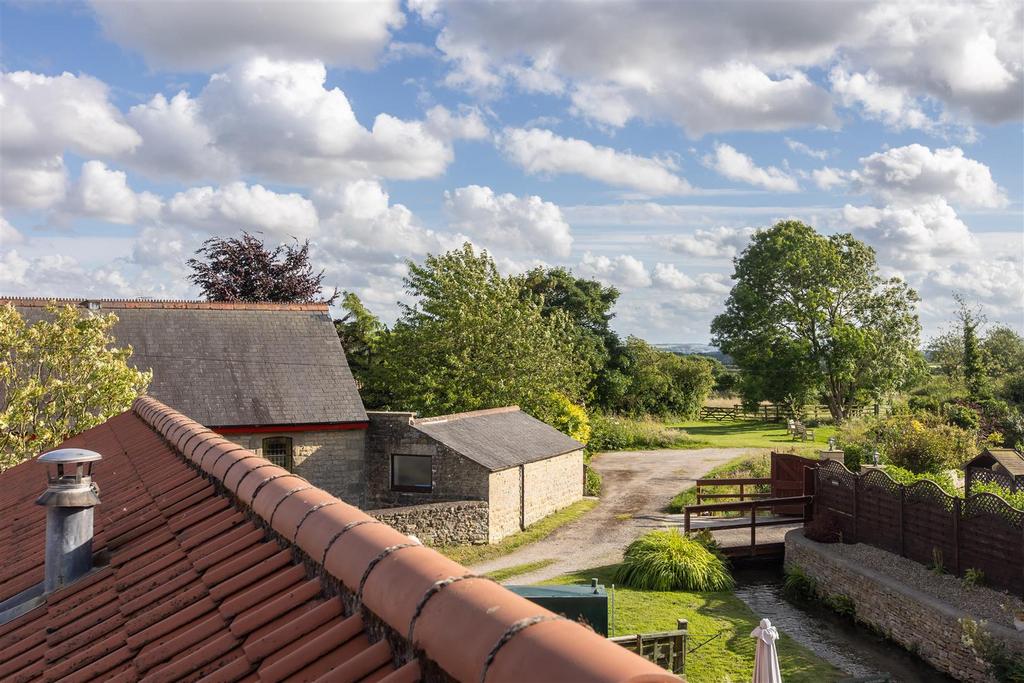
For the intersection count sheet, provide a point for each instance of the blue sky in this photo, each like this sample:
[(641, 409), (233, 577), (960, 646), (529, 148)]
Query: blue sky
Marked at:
[(637, 143)]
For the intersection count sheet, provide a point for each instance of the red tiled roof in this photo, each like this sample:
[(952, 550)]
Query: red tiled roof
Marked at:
[(223, 567)]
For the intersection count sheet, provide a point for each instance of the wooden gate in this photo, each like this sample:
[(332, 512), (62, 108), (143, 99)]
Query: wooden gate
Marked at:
[(788, 480)]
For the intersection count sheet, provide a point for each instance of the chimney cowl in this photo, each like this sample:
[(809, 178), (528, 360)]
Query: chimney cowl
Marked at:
[(69, 498)]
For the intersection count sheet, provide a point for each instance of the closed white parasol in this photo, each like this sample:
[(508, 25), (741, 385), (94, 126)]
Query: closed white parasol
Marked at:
[(766, 658)]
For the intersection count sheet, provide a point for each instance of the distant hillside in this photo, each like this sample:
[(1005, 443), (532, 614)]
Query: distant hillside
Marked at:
[(698, 349)]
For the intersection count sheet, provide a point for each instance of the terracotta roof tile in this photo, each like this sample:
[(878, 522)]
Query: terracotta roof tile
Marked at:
[(223, 567)]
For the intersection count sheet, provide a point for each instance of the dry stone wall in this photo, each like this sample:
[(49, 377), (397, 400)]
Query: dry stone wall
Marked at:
[(436, 524), (915, 620)]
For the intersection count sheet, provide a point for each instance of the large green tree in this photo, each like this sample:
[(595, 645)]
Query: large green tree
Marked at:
[(1004, 351), (663, 383), (814, 308), (471, 340), (588, 303), (361, 333), (59, 376)]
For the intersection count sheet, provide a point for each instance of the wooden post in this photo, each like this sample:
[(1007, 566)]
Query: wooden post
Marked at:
[(902, 499), (856, 500), (956, 536), (686, 520), (741, 493), (753, 528)]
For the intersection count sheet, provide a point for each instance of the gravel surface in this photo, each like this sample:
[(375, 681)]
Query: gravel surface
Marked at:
[(637, 487), (985, 603)]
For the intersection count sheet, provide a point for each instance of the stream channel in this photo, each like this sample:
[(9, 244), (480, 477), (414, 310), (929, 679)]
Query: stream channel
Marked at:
[(835, 638)]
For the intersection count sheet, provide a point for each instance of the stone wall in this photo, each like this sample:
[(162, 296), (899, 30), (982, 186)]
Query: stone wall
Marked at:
[(917, 621), (505, 496), (454, 478), (551, 485), (455, 523), (332, 460)]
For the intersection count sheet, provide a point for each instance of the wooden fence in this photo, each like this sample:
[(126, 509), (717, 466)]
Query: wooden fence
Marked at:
[(773, 413), (923, 523), (666, 649)]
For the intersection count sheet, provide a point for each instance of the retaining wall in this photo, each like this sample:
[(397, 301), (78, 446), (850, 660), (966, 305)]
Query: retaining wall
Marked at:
[(450, 523), (913, 619)]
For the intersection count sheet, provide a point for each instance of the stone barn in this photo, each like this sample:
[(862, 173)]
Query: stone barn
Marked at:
[(271, 377), (523, 470)]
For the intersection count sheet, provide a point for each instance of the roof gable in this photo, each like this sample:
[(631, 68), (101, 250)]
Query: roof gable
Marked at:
[(229, 364), (498, 438), (225, 566)]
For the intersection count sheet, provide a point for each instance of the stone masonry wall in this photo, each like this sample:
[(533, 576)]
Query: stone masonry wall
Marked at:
[(456, 523), (552, 484), (504, 499), (454, 478), (915, 620), (332, 460)]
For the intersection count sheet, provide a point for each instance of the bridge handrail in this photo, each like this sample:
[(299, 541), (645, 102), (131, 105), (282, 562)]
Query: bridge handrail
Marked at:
[(733, 482), (747, 504)]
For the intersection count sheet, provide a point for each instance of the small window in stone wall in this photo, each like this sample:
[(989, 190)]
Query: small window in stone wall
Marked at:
[(411, 473), (278, 450)]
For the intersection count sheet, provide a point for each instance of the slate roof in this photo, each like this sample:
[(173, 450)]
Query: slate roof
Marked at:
[(498, 438), (235, 364), (223, 567), (1010, 459)]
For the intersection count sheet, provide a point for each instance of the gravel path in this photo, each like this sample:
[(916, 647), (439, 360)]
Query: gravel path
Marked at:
[(637, 486)]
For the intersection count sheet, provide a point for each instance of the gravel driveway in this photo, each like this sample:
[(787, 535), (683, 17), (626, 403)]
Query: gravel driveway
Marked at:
[(637, 487)]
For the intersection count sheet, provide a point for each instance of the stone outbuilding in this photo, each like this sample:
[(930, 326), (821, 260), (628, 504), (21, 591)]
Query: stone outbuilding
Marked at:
[(1005, 466), (272, 377), (521, 467)]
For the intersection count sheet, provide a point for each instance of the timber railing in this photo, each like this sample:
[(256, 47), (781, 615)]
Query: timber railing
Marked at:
[(744, 492), (921, 522), (774, 413), (665, 648), (750, 519)]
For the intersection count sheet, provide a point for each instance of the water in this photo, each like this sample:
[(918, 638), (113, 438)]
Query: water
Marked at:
[(832, 637)]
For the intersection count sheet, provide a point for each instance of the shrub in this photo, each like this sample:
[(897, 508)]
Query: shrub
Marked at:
[(962, 416), (1014, 498), (906, 477), (668, 560), (592, 482), (621, 433), (916, 442), (565, 416), (1012, 389)]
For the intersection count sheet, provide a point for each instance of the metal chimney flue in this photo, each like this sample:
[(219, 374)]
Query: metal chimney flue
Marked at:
[(69, 498)]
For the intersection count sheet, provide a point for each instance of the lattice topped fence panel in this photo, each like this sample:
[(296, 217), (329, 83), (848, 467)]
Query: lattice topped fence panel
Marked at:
[(992, 540), (879, 509), (929, 524)]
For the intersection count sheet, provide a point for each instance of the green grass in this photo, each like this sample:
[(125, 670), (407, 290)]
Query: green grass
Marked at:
[(474, 554), (730, 657), (752, 434), (507, 573)]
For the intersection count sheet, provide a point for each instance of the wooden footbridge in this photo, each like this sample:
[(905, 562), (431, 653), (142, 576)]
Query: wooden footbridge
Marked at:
[(782, 500)]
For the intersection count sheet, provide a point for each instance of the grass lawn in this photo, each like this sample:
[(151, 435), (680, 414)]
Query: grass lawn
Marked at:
[(730, 656), (469, 555), (752, 434), (507, 573)]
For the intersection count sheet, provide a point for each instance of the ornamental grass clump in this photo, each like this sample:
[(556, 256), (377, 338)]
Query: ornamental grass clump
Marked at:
[(668, 560)]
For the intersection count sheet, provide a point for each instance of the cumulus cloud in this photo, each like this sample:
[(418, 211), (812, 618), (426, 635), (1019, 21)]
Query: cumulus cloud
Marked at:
[(237, 206), (507, 220), (540, 151), (917, 173), (193, 34), (735, 165), (712, 67), (624, 270), (722, 241), (827, 177), (104, 194), (913, 235), (9, 235)]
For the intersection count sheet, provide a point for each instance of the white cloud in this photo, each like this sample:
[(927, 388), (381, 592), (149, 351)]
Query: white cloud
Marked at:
[(508, 220), (540, 151), (104, 194), (803, 148), (237, 206), (914, 234), (624, 270), (712, 67), (192, 34), (722, 241), (9, 235), (668, 276), (33, 184), (827, 177), (735, 165), (916, 173), (468, 125)]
